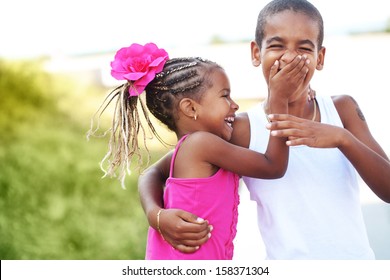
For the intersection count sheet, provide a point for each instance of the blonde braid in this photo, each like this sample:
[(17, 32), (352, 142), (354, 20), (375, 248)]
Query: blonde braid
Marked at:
[(123, 145)]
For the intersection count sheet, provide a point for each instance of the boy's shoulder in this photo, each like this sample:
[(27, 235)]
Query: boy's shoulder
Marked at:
[(346, 107), (341, 99), (343, 102)]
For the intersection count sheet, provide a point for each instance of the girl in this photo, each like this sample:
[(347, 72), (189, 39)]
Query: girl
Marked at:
[(191, 96)]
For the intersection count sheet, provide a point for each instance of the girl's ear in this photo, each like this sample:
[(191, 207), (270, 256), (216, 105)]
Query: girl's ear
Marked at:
[(321, 58), (256, 56), (188, 107)]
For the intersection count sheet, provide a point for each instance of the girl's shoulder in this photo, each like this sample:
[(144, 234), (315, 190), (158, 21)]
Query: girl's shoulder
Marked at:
[(202, 138), (205, 144), (192, 156)]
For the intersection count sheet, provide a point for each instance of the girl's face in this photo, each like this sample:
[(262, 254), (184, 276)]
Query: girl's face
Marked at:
[(286, 35), (217, 110)]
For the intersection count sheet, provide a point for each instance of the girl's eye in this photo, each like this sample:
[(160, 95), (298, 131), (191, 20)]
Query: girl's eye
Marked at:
[(225, 94)]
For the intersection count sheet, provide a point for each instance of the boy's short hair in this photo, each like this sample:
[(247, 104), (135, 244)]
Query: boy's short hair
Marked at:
[(277, 6)]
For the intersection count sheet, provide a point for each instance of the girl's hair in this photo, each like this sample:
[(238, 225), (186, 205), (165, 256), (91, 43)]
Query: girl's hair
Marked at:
[(180, 77), (277, 6)]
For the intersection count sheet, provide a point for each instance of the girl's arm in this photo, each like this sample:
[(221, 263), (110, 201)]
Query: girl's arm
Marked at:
[(183, 230), (354, 141), (273, 163)]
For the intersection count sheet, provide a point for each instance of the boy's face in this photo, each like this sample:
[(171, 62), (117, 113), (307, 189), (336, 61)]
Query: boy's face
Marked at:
[(286, 35)]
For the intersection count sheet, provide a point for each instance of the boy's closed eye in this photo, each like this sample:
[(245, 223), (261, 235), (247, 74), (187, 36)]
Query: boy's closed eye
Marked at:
[(306, 49), (275, 46)]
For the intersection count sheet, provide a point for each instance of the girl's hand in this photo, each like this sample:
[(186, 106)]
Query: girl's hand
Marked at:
[(183, 230), (305, 132)]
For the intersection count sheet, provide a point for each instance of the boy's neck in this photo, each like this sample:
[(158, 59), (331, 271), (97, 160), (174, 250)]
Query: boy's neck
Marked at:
[(302, 108)]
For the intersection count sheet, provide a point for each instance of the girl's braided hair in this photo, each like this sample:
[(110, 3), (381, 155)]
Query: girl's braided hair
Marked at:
[(180, 77)]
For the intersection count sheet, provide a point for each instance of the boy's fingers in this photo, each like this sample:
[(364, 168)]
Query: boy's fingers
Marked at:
[(284, 117), (195, 240), (191, 218), (286, 133), (274, 69), (295, 65), (298, 66), (186, 249), (300, 141), (191, 245)]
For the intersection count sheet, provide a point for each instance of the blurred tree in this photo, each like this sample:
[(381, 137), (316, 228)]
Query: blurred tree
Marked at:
[(53, 202)]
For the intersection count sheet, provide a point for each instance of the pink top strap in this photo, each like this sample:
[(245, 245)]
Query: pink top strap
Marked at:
[(174, 154)]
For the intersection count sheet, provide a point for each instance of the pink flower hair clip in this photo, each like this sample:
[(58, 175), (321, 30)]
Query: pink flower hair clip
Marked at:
[(138, 65)]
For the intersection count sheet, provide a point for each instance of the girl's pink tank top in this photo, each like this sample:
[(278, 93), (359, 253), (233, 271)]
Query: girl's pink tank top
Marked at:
[(214, 199)]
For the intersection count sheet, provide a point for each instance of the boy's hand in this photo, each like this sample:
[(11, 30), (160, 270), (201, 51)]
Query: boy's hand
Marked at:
[(183, 230), (305, 132), (290, 79)]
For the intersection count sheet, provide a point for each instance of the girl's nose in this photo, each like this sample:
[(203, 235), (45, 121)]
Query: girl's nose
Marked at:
[(234, 106)]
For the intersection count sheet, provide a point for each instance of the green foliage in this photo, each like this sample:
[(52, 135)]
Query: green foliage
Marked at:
[(387, 28), (53, 202), (20, 95)]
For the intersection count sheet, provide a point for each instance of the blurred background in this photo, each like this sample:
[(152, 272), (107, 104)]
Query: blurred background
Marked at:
[(55, 71)]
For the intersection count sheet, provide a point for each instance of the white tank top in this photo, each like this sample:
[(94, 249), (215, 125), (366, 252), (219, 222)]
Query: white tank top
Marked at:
[(314, 211)]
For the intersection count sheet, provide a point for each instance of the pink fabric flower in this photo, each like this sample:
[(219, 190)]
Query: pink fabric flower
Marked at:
[(138, 64)]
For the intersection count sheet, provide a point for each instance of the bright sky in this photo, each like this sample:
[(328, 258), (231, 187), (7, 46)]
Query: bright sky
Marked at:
[(29, 28)]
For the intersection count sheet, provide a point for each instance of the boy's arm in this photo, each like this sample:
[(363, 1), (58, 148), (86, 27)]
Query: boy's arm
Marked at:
[(354, 141), (183, 230), (361, 149)]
